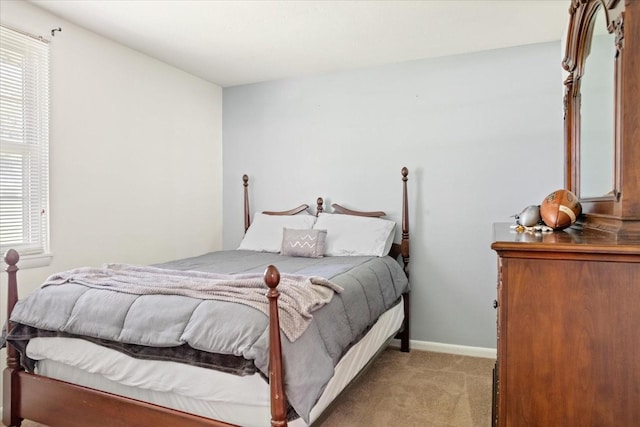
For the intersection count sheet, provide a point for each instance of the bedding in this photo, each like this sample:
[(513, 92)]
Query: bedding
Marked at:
[(371, 285), (241, 400), (299, 297)]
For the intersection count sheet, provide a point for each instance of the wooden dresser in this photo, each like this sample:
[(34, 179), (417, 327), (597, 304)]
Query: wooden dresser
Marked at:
[(569, 301), (568, 329)]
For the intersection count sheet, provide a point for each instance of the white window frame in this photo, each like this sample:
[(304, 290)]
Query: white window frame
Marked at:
[(24, 146)]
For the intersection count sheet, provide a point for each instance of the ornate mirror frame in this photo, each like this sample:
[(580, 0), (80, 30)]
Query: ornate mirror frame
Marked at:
[(619, 211)]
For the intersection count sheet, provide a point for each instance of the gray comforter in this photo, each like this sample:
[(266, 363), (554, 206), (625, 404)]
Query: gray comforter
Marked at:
[(371, 286)]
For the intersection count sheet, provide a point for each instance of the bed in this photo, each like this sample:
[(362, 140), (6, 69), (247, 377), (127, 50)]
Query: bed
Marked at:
[(130, 345)]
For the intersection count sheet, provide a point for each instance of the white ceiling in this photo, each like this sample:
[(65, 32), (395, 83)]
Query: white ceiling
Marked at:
[(238, 42)]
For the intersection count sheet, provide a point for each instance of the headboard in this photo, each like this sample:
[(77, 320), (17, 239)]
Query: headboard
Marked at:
[(397, 249)]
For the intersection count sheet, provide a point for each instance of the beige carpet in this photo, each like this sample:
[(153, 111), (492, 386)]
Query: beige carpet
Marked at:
[(419, 389), (415, 389)]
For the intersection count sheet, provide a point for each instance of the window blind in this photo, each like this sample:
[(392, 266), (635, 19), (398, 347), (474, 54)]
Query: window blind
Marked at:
[(24, 143)]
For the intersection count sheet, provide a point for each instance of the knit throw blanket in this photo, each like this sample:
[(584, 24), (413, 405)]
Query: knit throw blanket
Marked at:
[(299, 295)]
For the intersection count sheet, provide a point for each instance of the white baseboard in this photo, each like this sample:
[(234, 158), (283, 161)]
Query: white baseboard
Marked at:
[(462, 350)]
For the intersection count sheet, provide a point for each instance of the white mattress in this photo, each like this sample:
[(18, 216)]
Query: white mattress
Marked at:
[(237, 400)]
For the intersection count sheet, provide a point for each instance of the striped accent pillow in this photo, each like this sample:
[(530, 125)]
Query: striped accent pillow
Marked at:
[(303, 243)]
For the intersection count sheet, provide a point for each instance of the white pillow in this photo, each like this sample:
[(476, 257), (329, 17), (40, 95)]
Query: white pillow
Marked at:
[(356, 235), (265, 232)]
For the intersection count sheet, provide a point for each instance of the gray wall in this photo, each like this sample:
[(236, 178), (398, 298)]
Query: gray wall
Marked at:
[(480, 133)]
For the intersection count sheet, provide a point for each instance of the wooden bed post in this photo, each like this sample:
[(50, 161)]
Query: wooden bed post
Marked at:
[(247, 214), (404, 251), (10, 380), (319, 206), (276, 372), (404, 245)]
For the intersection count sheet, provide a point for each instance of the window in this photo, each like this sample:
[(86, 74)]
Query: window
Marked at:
[(24, 144)]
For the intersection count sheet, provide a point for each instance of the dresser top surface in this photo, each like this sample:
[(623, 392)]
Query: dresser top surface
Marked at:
[(567, 240)]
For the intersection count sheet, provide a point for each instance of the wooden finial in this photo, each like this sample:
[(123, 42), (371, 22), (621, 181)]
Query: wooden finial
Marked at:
[(319, 206), (11, 257), (272, 277)]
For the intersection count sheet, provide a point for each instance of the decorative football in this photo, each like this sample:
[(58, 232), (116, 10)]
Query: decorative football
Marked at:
[(560, 209)]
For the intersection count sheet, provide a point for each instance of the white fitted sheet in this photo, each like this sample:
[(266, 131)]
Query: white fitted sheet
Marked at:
[(238, 400)]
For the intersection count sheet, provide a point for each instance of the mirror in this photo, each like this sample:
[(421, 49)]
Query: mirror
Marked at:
[(602, 110), (597, 147)]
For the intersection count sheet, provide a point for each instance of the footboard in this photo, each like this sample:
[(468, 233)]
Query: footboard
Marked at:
[(57, 403)]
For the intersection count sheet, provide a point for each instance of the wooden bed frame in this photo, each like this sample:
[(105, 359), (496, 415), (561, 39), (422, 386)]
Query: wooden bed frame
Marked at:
[(58, 403)]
